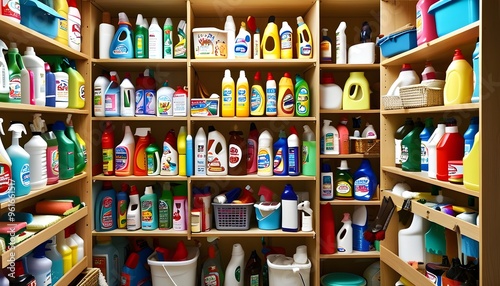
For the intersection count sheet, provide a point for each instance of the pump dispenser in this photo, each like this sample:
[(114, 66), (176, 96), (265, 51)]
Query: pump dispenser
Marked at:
[(39, 265), (270, 44), (20, 161), (122, 45)]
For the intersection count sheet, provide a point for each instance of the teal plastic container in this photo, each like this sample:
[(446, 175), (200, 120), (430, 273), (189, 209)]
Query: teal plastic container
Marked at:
[(365, 181), (66, 149), (452, 15), (342, 279), (477, 73), (149, 209), (105, 209), (122, 45), (105, 257)]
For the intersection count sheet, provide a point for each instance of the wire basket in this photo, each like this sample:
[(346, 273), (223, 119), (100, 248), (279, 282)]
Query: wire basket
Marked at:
[(232, 216), (365, 146), (391, 102), (90, 277), (418, 95)]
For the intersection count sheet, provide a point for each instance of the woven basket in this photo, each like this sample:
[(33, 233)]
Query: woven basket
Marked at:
[(90, 278), (391, 102), (420, 96), (365, 146)]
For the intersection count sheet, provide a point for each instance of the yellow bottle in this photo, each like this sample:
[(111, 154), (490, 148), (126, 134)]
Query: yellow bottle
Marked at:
[(181, 149), (76, 91), (286, 96), (270, 43), (472, 168), (242, 97), (61, 7), (66, 253), (227, 95), (304, 40), (459, 84), (359, 99), (257, 97)]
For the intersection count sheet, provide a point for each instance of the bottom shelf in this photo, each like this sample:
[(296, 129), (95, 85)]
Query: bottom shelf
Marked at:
[(355, 254), (403, 268), (73, 273), (254, 232)]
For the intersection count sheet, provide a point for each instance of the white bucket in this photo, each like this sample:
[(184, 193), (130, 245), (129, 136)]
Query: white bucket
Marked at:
[(174, 273), (283, 272)]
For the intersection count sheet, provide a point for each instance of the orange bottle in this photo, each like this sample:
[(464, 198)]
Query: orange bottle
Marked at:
[(343, 136), (140, 164)]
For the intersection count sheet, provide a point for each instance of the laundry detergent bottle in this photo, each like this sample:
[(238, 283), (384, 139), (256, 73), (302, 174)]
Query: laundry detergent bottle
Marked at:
[(356, 94), (425, 135), (265, 154), (270, 44), (286, 101), (459, 86), (217, 163), (140, 160), (105, 208), (80, 156), (122, 45), (410, 149), (170, 157), (450, 148), (365, 181)]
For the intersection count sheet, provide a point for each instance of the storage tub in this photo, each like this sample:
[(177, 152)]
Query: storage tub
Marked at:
[(342, 279), (398, 43), (294, 274), (170, 273), (209, 43), (40, 17), (452, 15), (268, 215)]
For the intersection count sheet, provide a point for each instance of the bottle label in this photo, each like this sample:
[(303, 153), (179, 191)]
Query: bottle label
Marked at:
[(100, 261), (288, 103), (271, 100), (24, 175), (329, 142), (293, 159), (397, 149), (150, 103), (424, 153), (468, 147), (5, 178), (263, 160), (62, 91), (147, 211), (52, 162), (235, 155), (302, 102), (139, 46), (242, 97), (212, 279), (81, 92), (139, 102), (305, 49), (362, 187), (120, 49), (168, 163), (165, 105), (97, 96), (326, 51), (254, 280), (343, 189), (167, 49), (305, 154), (63, 25), (255, 100), (122, 212), (110, 102), (201, 160), (107, 215), (122, 156), (327, 187), (241, 46), (15, 87), (164, 215), (433, 277), (237, 274), (179, 221), (279, 164), (11, 8), (180, 104), (405, 153), (107, 161), (286, 40), (151, 163), (419, 20)]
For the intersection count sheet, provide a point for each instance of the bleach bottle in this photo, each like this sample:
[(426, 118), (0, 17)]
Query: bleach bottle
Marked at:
[(359, 226), (344, 236), (407, 76), (134, 210), (40, 266), (293, 155), (200, 153), (271, 99), (216, 153), (124, 154), (50, 87), (37, 149), (425, 135), (112, 96), (37, 65), (170, 157), (365, 182), (20, 161), (127, 97), (5, 170), (105, 208), (265, 154), (149, 209), (289, 203), (281, 155), (76, 88), (122, 45)]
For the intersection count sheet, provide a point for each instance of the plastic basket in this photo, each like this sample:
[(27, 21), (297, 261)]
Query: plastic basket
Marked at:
[(418, 95), (232, 216), (391, 102)]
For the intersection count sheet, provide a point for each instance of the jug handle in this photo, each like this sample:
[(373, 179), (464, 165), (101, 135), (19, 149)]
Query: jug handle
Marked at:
[(353, 95)]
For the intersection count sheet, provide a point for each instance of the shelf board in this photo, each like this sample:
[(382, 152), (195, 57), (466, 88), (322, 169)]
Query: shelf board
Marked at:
[(435, 49), (365, 111), (140, 64), (253, 232), (351, 203), (148, 8), (349, 156), (141, 118), (445, 220), (73, 272), (403, 268), (253, 178), (434, 109), (349, 67), (241, 9), (41, 236), (422, 176), (354, 255), (21, 107), (101, 177), (252, 119), (345, 9), (140, 232), (48, 188), (270, 65)]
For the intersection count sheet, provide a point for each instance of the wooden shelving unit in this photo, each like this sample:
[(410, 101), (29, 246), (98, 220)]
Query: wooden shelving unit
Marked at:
[(354, 255)]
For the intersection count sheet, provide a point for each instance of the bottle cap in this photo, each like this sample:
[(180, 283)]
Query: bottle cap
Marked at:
[(451, 121), (133, 190), (148, 190), (300, 21), (293, 130), (458, 55), (474, 120), (287, 74), (237, 249), (327, 77), (343, 165), (132, 260), (271, 19), (123, 19), (326, 168), (327, 122), (211, 128), (229, 25), (347, 217), (242, 73), (406, 67), (270, 76), (324, 31), (257, 76)]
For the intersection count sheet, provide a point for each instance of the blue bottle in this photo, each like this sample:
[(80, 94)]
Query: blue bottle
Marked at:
[(424, 140), (470, 133), (20, 161), (289, 214), (359, 226), (189, 155), (50, 87), (365, 182), (477, 73), (105, 208), (280, 148), (122, 45)]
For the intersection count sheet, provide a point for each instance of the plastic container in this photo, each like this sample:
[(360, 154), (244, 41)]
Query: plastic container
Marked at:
[(149, 84), (411, 240), (165, 207), (270, 43), (105, 257), (341, 44), (57, 270), (212, 273), (280, 148), (252, 150), (10, 9), (39, 265), (217, 163), (122, 45), (282, 271), (140, 166), (230, 29), (112, 100), (121, 206), (356, 94), (153, 162), (80, 156), (327, 230), (124, 153), (425, 135), (398, 43), (304, 40), (256, 45), (329, 138), (168, 34), (52, 157), (343, 182), (76, 89), (141, 38), (149, 210), (472, 166), (164, 103), (228, 95), (11, 78), (327, 183), (37, 149), (359, 226), (302, 97), (289, 202), (293, 153), (342, 279), (170, 158), (257, 97), (400, 133), (181, 149), (410, 149), (433, 142), (200, 153), (449, 148), (232, 216), (344, 235), (37, 65), (308, 152), (108, 145), (106, 34), (237, 154), (61, 7), (271, 99), (242, 45), (407, 76), (50, 86), (134, 210), (171, 273), (470, 134), (477, 72), (235, 270), (268, 215), (74, 26), (426, 23), (66, 253), (459, 86), (265, 154), (66, 152), (452, 15), (286, 41), (330, 93), (242, 96), (127, 97), (105, 209), (326, 47), (155, 40)]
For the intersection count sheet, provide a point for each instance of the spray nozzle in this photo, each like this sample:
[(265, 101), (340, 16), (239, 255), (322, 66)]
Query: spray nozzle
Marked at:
[(1, 126), (3, 46), (69, 122), (306, 207), (17, 130), (39, 251), (266, 195)]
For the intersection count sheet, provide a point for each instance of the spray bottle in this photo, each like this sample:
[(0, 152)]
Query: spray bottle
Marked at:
[(180, 50), (168, 47), (140, 160), (39, 265), (305, 207), (80, 157), (122, 45), (37, 149), (5, 170), (134, 210), (20, 161), (112, 96), (170, 157), (200, 153)]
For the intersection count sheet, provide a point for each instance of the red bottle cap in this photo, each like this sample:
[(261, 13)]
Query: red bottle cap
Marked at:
[(133, 190), (287, 74), (181, 252), (269, 76), (257, 76), (132, 260), (327, 77), (458, 55), (406, 67)]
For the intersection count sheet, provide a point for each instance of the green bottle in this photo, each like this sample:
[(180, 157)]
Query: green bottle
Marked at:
[(165, 208), (80, 161), (153, 159), (66, 152), (343, 182), (14, 66), (401, 132), (410, 149), (141, 49), (308, 152), (302, 95)]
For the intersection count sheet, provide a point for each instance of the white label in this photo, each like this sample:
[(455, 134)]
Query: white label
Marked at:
[(289, 217), (397, 150), (235, 155)]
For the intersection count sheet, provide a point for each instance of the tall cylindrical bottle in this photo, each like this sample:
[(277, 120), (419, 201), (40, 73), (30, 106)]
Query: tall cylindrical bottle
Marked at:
[(127, 94), (252, 149), (74, 26), (293, 153), (124, 154), (340, 44), (286, 101), (37, 65), (106, 33), (424, 142), (200, 153), (230, 28), (308, 152), (37, 148), (228, 96), (242, 96), (286, 40), (401, 132), (280, 148), (265, 154), (449, 148), (289, 217), (66, 152), (108, 145), (271, 96), (235, 270)]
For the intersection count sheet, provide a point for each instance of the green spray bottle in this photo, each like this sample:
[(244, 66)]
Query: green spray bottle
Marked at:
[(410, 149), (66, 151), (302, 96), (80, 160)]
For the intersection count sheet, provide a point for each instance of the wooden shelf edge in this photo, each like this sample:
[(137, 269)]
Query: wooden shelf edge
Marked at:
[(41, 236), (253, 178), (261, 118), (351, 203), (22, 107), (140, 232), (433, 109), (403, 268), (349, 156), (141, 118), (101, 177), (253, 232), (45, 190), (73, 272), (349, 67), (354, 255), (341, 111)]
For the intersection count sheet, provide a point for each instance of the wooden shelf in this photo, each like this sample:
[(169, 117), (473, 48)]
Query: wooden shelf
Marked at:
[(101, 177), (45, 190), (435, 49), (351, 203), (138, 65), (345, 9), (148, 8), (365, 111), (434, 109), (349, 156), (21, 107), (354, 255), (208, 8), (73, 272), (349, 67), (253, 232), (253, 178), (251, 64), (252, 119), (403, 268), (140, 118), (140, 232), (41, 236), (422, 176)]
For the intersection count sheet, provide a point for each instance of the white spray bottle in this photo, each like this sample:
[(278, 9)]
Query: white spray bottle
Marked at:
[(305, 207), (20, 161), (341, 44), (5, 170)]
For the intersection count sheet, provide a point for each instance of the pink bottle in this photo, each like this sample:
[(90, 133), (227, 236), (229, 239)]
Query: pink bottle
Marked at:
[(426, 24), (32, 87)]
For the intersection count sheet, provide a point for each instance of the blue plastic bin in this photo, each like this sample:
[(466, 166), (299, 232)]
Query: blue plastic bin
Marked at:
[(452, 15), (40, 17), (268, 215), (398, 43)]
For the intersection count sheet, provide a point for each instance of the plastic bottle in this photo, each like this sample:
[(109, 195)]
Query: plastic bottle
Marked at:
[(153, 160), (470, 133), (242, 96), (76, 244), (4, 79), (252, 149), (106, 34), (344, 236), (253, 270), (235, 270), (15, 77), (165, 208), (293, 153), (62, 8), (256, 45), (164, 103), (424, 142), (180, 101), (134, 210), (76, 89), (62, 88), (65, 251), (271, 95), (329, 138), (410, 149), (170, 157), (141, 35), (359, 226), (308, 152), (228, 102), (74, 26), (105, 257), (149, 84), (330, 93), (127, 97), (326, 47), (343, 182), (289, 217), (200, 153), (180, 212), (286, 102), (216, 153), (257, 97), (124, 153), (121, 206), (180, 50), (407, 76), (212, 273), (37, 65), (280, 148), (433, 142), (37, 149), (365, 181), (356, 94), (80, 157), (181, 149), (105, 208), (168, 42), (450, 147), (237, 153), (242, 46), (400, 133), (341, 44), (108, 146), (327, 230), (413, 236), (39, 265), (426, 23), (472, 166), (429, 72), (304, 40), (265, 154), (50, 87), (327, 183), (270, 43), (302, 97), (155, 40), (477, 73), (20, 161), (343, 136), (139, 95), (52, 157), (122, 45), (149, 209), (11, 10), (230, 28), (140, 160), (369, 132), (286, 40), (459, 86), (57, 270)]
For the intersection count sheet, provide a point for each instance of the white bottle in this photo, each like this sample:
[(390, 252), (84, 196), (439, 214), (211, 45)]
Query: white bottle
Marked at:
[(164, 100), (341, 44), (200, 153), (37, 149), (307, 212), (168, 42), (127, 102), (265, 154), (344, 236), (256, 44), (235, 270), (100, 85), (80, 246), (62, 89), (271, 95), (37, 65), (411, 240), (330, 94), (431, 149), (73, 245), (230, 28), (242, 46), (74, 26), (369, 132), (134, 210), (286, 42), (155, 40), (217, 164), (327, 183), (106, 34), (4, 70), (407, 76), (329, 139), (289, 214), (39, 266)]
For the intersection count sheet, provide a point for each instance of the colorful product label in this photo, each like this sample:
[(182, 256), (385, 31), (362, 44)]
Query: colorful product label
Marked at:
[(110, 102), (24, 175), (255, 100), (107, 161), (288, 103), (305, 154), (62, 91), (286, 40), (5, 178), (293, 159), (165, 215), (122, 155), (150, 102), (305, 49), (424, 153), (405, 153), (241, 46), (279, 164), (107, 213), (15, 87), (11, 8), (168, 164), (235, 155), (165, 105), (242, 97), (329, 142), (122, 213), (212, 279), (343, 189), (139, 46), (362, 187), (52, 161), (201, 159), (303, 102), (139, 102), (147, 213), (81, 92), (397, 149), (263, 160), (327, 187), (152, 163), (120, 49), (227, 98), (180, 104), (100, 261), (271, 100), (254, 280)]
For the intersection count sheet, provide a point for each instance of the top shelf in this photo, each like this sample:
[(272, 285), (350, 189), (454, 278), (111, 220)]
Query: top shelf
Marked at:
[(148, 8), (21, 107), (435, 49), (345, 9), (211, 9)]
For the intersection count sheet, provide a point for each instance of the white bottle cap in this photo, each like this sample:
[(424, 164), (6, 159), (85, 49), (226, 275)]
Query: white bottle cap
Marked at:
[(343, 165), (148, 190), (242, 73), (300, 256)]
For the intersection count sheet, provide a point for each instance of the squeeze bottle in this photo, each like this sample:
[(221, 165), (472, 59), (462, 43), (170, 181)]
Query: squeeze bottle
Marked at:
[(106, 34), (235, 270), (228, 103), (39, 265), (293, 155), (401, 132), (330, 93), (170, 157), (359, 226), (270, 44), (257, 97), (76, 88), (121, 206), (127, 97), (200, 153), (433, 141), (341, 44), (149, 209), (237, 153), (410, 149), (302, 97), (407, 76), (459, 86), (216, 153), (477, 73), (5, 170), (134, 210), (426, 23), (265, 154), (450, 147), (230, 28), (286, 39), (140, 160), (168, 42), (326, 47), (80, 157), (424, 142), (155, 40), (164, 100), (141, 49), (242, 96), (20, 161), (37, 149), (327, 183), (308, 152), (50, 87), (343, 182), (181, 149), (242, 46), (304, 40), (108, 145), (153, 159), (252, 149), (289, 217), (15, 68), (165, 208), (124, 152), (37, 65), (271, 99), (365, 181), (343, 136), (74, 26), (61, 7), (286, 102), (344, 236), (280, 148), (122, 45), (57, 270), (329, 138), (470, 133)]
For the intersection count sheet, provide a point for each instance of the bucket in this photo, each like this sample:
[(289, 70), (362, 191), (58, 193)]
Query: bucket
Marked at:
[(342, 279), (291, 274), (268, 215), (174, 273)]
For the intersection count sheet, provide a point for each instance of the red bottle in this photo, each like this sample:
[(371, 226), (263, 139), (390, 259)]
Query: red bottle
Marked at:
[(108, 147), (253, 138), (327, 229), (450, 147)]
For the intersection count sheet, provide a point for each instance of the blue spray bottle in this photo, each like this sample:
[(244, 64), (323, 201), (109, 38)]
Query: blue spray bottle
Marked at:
[(365, 182), (57, 270), (122, 45), (20, 161), (280, 148)]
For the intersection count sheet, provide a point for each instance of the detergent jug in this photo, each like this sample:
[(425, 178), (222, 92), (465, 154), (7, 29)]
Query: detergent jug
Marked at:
[(472, 166), (459, 86), (270, 44), (356, 94)]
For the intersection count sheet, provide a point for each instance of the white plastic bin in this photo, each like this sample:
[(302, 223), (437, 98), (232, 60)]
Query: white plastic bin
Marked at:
[(174, 273), (283, 272)]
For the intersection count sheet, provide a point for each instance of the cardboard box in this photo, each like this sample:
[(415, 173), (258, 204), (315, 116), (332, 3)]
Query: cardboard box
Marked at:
[(204, 107)]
